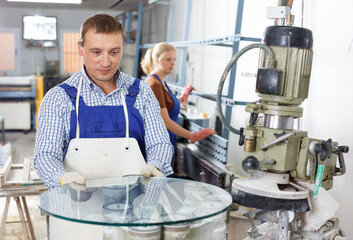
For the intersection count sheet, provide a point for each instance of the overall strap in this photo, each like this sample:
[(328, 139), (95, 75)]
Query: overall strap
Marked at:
[(133, 90), (125, 113), (154, 75), (71, 91), (127, 127)]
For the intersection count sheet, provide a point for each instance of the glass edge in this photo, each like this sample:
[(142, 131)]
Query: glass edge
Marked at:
[(136, 224)]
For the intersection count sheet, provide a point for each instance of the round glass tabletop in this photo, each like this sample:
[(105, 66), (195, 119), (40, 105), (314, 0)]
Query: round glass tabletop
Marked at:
[(135, 201)]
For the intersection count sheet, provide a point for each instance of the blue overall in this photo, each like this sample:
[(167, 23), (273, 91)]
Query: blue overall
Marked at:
[(173, 113), (107, 121)]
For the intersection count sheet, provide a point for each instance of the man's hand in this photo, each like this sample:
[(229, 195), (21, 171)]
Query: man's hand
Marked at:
[(72, 177), (151, 171)]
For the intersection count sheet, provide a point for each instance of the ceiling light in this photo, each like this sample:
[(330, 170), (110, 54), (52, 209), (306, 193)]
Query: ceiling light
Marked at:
[(49, 1), (152, 1)]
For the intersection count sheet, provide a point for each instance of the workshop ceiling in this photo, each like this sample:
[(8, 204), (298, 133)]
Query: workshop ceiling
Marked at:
[(121, 5)]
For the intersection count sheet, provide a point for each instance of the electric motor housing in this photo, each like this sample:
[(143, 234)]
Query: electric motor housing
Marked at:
[(288, 83)]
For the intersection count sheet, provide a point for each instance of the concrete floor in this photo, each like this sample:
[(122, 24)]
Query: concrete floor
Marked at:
[(23, 146)]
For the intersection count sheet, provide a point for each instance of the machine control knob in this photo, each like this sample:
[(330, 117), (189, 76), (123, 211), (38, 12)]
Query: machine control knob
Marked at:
[(324, 149), (250, 164), (241, 136), (339, 171), (344, 149)]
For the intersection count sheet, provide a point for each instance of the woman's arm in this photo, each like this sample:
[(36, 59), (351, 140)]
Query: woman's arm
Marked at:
[(173, 126)]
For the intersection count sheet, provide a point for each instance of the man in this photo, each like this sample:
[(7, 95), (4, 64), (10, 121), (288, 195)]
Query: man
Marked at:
[(100, 122)]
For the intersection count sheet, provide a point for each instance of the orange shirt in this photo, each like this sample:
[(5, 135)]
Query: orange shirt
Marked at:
[(161, 93)]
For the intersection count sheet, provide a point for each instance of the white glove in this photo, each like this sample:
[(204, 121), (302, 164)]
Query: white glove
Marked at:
[(72, 177), (151, 171)]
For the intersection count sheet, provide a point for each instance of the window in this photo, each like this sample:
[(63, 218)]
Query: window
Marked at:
[(39, 28), (7, 52), (72, 60)]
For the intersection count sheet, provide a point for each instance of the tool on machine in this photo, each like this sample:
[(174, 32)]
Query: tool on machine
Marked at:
[(286, 168)]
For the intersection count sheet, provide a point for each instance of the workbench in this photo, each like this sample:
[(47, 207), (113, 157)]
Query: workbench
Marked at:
[(13, 186)]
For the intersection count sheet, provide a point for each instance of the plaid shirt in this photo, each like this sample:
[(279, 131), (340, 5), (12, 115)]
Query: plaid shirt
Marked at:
[(53, 126)]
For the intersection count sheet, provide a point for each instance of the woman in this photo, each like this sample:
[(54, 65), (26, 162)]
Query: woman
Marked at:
[(157, 64)]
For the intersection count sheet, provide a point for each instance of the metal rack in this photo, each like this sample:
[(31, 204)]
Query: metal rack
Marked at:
[(205, 160), (3, 138), (212, 97), (213, 147), (231, 41)]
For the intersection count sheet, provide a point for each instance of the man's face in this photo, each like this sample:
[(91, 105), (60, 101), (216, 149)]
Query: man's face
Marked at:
[(101, 55)]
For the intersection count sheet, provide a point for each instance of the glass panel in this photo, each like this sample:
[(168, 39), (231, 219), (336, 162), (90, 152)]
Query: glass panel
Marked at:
[(135, 201)]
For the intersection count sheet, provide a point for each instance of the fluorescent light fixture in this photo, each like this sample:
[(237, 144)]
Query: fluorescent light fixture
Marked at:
[(152, 1), (49, 1)]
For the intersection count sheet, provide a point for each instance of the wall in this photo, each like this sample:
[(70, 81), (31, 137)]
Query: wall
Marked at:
[(151, 32), (31, 57), (327, 111)]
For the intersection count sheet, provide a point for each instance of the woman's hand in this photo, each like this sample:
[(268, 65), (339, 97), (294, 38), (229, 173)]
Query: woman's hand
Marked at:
[(185, 94), (197, 136)]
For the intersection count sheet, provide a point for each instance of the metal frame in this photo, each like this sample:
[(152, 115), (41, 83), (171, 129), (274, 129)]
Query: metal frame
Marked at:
[(185, 50), (212, 97), (138, 37), (221, 41), (233, 71), (213, 41), (128, 28), (214, 146)]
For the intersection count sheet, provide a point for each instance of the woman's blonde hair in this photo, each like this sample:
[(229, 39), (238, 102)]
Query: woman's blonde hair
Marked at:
[(152, 54)]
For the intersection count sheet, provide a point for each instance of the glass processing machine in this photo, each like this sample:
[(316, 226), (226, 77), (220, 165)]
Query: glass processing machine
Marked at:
[(289, 173)]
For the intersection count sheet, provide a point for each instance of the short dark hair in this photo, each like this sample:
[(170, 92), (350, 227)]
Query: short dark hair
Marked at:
[(101, 23)]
